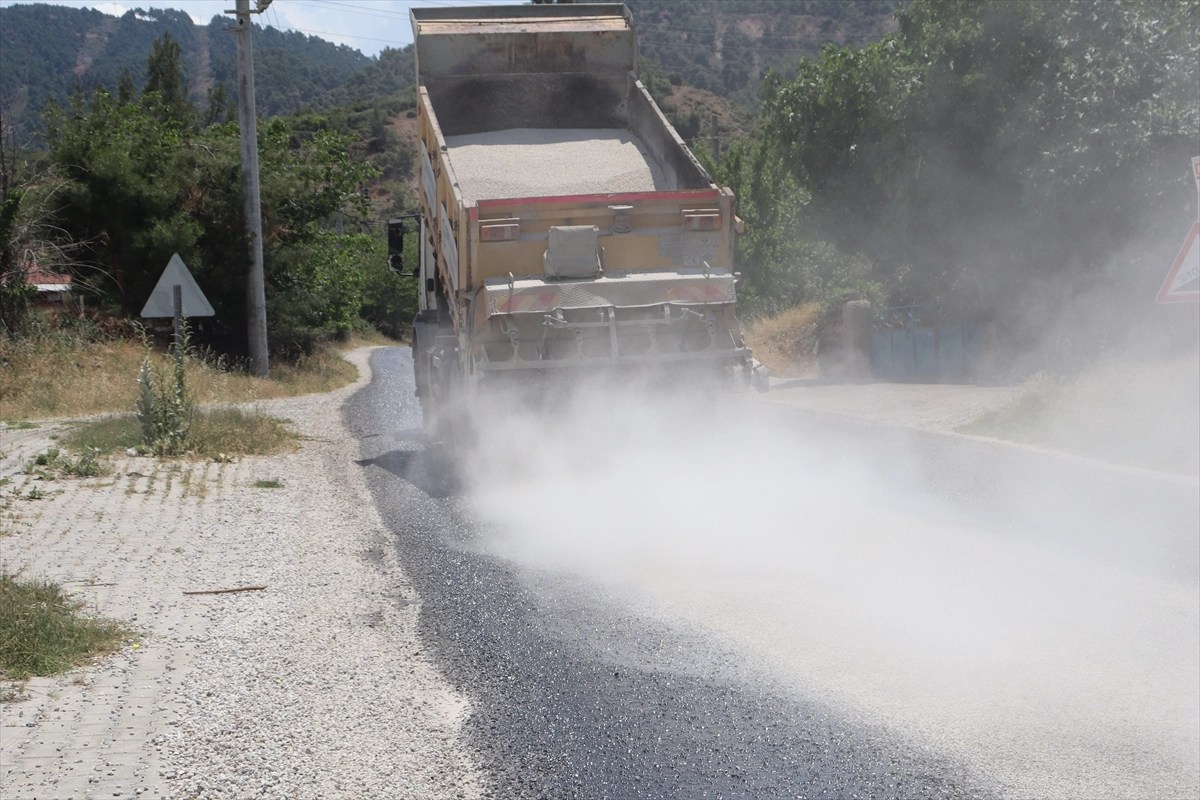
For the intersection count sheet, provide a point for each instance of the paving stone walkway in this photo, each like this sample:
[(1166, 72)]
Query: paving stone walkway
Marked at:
[(93, 733), (231, 695)]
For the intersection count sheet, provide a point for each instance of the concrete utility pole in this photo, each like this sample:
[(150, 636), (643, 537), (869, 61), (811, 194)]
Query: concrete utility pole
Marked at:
[(256, 296)]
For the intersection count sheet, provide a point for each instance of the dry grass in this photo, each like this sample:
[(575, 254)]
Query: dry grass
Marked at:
[(323, 371), (59, 378), (369, 338), (787, 342), (232, 431)]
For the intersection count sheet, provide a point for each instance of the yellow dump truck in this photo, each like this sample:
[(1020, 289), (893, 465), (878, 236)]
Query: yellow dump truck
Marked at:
[(565, 228)]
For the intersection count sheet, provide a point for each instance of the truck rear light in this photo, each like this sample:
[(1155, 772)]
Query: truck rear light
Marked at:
[(701, 220), (499, 232), (621, 219)]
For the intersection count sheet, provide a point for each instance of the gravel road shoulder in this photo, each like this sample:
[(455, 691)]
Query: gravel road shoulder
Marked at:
[(941, 407), (313, 687)]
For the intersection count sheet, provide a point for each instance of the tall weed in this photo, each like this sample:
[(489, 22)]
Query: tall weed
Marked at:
[(164, 408)]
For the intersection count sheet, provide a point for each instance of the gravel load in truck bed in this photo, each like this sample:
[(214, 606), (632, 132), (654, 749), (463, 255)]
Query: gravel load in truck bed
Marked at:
[(546, 162)]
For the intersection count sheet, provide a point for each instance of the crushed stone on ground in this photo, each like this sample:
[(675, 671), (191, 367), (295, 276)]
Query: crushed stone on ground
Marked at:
[(942, 407), (551, 162), (314, 687)]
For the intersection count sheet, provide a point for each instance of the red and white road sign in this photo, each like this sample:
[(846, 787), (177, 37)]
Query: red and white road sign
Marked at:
[(1196, 169), (1183, 281)]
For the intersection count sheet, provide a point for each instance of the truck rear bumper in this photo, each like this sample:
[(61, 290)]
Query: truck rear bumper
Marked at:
[(613, 288), (733, 357), (637, 319)]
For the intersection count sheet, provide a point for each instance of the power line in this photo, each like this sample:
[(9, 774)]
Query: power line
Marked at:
[(724, 46), (713, 30), (800, 37), (393, 42), (380, 13), (660, 29), (659, 36), (686, 45), (388, 13)]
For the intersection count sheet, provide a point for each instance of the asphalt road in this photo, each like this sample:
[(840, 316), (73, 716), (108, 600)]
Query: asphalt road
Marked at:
[(937, 639)]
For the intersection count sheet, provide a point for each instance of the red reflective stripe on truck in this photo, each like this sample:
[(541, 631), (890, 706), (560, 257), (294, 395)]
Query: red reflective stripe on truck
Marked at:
[(694, 194), (526, 303), (697, 294)]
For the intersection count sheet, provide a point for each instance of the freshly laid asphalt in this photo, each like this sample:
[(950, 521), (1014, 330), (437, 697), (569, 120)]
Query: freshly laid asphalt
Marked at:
[(573, 694)]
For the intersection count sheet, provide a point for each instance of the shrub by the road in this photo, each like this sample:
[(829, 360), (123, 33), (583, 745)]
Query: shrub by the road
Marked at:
[(43, 632)]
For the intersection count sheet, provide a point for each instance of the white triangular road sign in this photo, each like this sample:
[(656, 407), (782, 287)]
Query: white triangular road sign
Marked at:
[(162, 300), (1183, 280)]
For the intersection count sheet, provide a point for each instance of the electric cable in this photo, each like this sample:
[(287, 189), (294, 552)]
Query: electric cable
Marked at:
[(658, 37)]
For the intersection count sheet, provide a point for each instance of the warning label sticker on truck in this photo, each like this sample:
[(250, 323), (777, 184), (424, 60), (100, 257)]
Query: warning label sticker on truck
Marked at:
[(690, 249)]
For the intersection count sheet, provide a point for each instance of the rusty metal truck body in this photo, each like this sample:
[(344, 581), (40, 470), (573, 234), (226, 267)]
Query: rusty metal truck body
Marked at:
[(564, 225)]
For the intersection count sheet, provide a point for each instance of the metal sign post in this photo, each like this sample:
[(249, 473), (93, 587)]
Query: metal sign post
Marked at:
[(177, 297)]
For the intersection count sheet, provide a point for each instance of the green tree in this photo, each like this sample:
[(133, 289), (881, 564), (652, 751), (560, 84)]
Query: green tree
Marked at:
[(126, 91), (221, 107), (123, 172), (986, 144), (781, 256), (141, 191), (166, 91)]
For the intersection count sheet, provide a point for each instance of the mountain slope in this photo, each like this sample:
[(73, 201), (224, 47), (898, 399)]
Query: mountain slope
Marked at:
[(46, 51), (725, 46)]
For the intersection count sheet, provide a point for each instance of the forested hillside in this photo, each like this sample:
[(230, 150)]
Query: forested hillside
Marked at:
[(726, 46), (46, 51), (992, 156), (723, 47)]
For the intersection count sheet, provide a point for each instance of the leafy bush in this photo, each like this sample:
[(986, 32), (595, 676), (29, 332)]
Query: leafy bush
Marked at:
[(15, 300), (783, 260), (987, 147), (86, 465)]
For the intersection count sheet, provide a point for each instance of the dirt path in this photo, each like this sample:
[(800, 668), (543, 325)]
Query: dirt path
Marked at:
[(315, 687)]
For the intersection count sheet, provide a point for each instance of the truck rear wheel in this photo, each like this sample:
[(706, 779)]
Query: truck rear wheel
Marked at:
[(445, 407)]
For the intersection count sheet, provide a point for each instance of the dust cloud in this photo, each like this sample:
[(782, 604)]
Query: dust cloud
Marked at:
[(1111, 373), (954, 597)]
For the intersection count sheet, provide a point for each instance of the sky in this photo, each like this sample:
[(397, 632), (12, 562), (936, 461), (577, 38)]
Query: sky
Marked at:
[(368, 25)]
